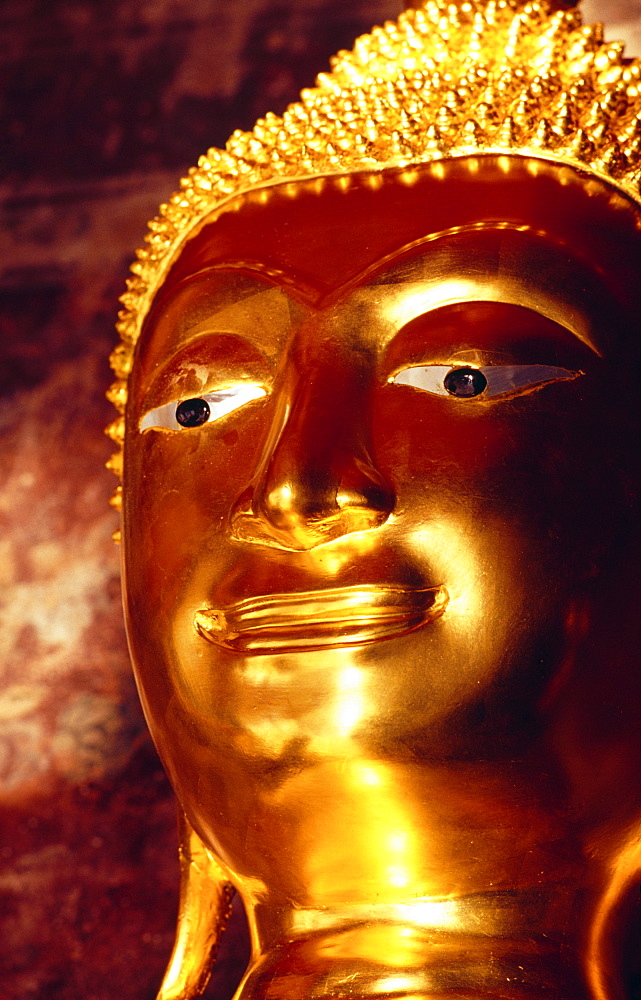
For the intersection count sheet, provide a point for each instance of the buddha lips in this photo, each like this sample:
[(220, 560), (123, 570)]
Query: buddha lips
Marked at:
[(321, 619)]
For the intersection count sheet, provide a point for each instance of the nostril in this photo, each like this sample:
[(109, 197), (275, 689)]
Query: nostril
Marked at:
[(365, 487), (378, 501)]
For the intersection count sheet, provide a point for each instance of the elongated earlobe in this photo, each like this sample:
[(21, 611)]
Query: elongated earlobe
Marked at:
[(203, 911)]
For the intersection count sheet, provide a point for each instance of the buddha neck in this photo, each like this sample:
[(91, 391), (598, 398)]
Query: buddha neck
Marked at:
[(508, 944), (507, 910)]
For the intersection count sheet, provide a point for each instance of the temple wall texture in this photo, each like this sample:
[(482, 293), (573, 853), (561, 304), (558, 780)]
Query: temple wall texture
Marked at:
[(104, 104)]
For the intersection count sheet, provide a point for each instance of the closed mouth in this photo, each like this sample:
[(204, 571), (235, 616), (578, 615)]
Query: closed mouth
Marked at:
[(320, 619)]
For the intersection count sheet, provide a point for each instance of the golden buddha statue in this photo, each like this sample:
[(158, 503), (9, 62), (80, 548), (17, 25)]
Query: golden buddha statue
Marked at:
[(380, 381)]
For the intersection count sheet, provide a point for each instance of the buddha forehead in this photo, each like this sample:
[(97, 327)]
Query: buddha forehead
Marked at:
[(492, 229)]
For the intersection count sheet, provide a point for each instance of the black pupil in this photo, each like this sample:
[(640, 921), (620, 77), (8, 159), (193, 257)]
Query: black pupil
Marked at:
[(192, 412), (465, 382)]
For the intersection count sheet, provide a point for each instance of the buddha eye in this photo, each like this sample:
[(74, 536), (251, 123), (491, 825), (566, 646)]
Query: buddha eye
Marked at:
[(199, 410), (467, 382), (193, 412)]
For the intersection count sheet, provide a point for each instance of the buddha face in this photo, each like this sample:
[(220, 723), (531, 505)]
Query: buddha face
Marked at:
[(365, 519)]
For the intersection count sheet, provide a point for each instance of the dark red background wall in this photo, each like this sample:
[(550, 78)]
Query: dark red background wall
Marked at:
[(103, 104)]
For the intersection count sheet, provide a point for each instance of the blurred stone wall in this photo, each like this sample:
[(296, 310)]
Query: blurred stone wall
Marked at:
[(104, 103)]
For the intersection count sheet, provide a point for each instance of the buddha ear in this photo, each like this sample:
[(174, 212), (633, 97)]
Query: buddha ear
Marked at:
[(203, 911)]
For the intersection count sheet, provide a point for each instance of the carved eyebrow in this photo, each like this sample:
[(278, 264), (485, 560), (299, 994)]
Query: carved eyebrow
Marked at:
[(245, 317), (260, 314), (500, 267), (423, 298), (289, 281)]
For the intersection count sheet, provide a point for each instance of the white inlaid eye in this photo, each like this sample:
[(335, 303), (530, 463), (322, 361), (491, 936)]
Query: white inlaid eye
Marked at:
[(467, 382), (199, 410)]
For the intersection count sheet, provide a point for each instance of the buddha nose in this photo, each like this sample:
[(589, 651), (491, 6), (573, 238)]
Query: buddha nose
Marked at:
[(317, 480)]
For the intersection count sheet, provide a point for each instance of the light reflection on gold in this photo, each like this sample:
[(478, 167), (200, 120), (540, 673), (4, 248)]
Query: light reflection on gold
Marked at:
[(623, 881), (432, 913), (366, 774), (394, 984), (351, 703), (330, 559), (446, 543)]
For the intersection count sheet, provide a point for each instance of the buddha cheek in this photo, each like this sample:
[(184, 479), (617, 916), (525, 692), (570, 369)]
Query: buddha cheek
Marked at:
[(513, 460), (486, 507), (444, 455), (185, 483), (162, 488)]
